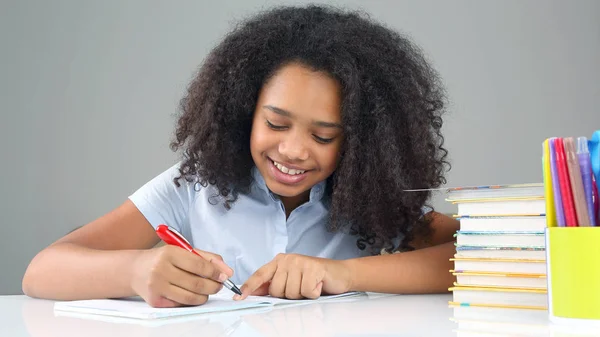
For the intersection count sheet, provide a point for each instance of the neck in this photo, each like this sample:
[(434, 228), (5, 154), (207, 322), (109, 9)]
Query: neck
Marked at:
[(291, 203)]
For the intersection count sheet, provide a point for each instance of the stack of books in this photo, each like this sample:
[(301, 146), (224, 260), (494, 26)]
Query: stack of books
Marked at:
[(500, 247)]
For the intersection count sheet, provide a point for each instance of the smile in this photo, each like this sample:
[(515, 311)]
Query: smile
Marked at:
[(286, 170)]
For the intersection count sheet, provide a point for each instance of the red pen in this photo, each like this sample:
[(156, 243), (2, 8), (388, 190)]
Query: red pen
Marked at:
[(171, 237)]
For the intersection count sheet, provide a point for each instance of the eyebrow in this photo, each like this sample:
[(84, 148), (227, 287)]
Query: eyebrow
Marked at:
[(286, 113)]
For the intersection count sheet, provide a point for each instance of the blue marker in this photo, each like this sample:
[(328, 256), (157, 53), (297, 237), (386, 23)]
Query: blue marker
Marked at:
[(594, 149)]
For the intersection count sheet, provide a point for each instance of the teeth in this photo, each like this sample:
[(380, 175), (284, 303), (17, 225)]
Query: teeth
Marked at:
[(287, 170)]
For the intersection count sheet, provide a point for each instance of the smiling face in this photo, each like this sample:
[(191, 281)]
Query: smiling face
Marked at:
[(296, 130)]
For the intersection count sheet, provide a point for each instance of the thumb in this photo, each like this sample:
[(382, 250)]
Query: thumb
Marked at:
[(216, 260)]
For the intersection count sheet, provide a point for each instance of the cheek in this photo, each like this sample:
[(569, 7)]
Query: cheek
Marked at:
[(329, 158), (260, 139), (255, 141)]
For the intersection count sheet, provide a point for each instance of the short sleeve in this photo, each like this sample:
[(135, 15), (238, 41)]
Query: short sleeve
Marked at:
[(163, 202)]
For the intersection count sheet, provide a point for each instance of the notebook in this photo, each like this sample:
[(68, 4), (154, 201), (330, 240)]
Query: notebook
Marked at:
[(513, 266), (526, 298), (524, 191), (534, 223), (500, 238), (136, 307), (500, 279)]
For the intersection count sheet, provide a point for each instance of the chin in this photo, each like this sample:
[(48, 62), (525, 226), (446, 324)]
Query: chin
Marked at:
[(286, 191)]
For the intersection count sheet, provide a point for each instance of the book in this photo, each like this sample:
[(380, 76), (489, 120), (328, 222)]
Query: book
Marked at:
[(531, 253), (508, 315), (137, 308), (500, 259), (496, 191), (493, 288), (534, 223), (489, 296), (501, 280), (515, 266), (502, 206), (525, 239)]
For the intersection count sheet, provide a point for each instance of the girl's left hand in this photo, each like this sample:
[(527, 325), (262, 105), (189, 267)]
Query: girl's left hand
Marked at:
[(296, 276)]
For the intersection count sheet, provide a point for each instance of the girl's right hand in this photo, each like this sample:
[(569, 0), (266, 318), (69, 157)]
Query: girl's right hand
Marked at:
[(170, 276)]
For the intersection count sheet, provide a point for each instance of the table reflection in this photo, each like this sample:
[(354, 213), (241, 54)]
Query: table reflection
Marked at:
[(502, 322), (365, 315)]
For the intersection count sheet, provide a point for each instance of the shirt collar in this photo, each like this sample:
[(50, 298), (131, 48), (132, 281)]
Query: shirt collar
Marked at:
[(316, 192)]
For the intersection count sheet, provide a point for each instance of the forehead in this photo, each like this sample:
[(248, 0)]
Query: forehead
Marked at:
[(303, 91)]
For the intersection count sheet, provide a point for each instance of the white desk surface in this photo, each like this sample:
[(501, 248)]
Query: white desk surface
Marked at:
[(374, 315)]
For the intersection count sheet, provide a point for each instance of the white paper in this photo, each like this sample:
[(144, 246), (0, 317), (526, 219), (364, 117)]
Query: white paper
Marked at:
[(136, 307)]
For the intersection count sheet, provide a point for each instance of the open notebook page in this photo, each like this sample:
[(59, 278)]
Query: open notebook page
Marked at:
[(135, 307)]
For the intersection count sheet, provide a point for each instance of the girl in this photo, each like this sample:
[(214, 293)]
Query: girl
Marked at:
[(300, 134)]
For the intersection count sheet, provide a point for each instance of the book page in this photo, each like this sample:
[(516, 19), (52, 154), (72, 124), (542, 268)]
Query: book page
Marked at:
[(283, 301), (136, 307), (226, 294)]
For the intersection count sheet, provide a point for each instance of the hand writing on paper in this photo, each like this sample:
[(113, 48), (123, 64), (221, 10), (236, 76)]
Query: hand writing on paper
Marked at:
[(296, 276), (170, 276)]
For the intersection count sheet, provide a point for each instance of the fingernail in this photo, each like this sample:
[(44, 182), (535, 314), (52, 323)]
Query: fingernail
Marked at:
[(237, 297), (222, 277)]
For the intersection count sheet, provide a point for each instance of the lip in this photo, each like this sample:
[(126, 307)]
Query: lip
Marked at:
[(284, 178)]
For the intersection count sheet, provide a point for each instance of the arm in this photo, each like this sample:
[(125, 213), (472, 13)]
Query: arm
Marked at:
[(111, 256), (93, 261), (424, 270)]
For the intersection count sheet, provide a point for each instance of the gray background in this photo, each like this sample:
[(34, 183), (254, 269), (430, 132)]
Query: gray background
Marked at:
[(89, 89)]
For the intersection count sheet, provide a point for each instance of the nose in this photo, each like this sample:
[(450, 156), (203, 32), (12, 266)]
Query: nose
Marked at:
[(293, 148)]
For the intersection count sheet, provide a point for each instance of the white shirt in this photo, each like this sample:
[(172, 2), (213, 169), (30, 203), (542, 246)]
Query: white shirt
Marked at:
[(252, 232)]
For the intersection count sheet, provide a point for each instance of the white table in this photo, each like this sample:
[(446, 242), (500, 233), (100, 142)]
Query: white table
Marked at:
[(374, 315)]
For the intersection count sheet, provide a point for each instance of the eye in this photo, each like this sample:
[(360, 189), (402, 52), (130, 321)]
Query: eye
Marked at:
[(275, 127), (323, 140)]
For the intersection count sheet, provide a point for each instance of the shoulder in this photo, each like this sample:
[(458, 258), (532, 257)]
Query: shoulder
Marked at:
[(168, 185), (161, 200)]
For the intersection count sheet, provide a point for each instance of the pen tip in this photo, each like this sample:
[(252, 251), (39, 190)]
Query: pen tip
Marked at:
[(231, 286), (236, 290)]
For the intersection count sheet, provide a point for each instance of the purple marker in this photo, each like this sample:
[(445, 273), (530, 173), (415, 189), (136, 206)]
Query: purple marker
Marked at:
[(560, 215), (585, 167)]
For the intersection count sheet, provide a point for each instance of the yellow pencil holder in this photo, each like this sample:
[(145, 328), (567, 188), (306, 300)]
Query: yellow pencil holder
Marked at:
[(573, 273)]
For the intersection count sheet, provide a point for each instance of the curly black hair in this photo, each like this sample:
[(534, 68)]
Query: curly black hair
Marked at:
[(392, 102)]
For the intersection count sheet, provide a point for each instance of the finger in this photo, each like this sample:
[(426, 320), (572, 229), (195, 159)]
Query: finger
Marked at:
[(319, 289), (193, 283), (161, 302), (263, 275), (217, 260), (263, 290), (183, 296), (311, 285), (293, 284), (196, 265), (277, 287)]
